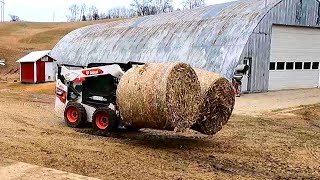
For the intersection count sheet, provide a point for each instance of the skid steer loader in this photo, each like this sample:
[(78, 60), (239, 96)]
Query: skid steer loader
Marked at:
[(88, 94)]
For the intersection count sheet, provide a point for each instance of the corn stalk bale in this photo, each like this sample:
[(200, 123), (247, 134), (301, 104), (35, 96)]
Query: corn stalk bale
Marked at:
[(217, 101), (159, 96)]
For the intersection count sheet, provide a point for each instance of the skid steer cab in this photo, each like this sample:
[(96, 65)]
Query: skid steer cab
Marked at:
[(88, 94)]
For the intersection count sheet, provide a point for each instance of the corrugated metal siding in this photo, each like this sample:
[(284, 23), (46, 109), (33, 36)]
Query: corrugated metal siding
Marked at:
[(211, 37), (288, 12)]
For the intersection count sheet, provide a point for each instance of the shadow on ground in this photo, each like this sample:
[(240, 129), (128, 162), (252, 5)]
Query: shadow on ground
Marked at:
[(154, 139)]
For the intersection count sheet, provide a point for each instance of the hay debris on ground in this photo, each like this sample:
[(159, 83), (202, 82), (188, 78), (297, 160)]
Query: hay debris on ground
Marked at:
[(159, 96), (217, 101)]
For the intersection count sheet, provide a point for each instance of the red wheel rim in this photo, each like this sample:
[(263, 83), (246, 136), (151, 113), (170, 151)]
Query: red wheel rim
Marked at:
[(72, 114), (102, 120)]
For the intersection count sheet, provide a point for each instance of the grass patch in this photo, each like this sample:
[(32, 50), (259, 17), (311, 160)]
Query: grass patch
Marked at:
[(47, 88), (51, 36)]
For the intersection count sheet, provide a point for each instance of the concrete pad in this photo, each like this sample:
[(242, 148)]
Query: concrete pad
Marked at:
[(13, 170), (258, 103)]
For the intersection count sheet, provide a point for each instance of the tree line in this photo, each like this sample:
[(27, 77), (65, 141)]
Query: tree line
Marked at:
[(81, 12)]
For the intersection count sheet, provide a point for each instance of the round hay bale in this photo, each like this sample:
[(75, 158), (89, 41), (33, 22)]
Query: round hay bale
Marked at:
[(217, 101), (159, 96)]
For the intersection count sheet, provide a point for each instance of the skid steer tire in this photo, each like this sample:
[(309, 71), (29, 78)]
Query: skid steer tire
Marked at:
[(104, 120), (75, 115)]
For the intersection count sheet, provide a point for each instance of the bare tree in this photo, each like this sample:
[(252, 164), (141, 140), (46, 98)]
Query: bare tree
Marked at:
[(84, 18), (150, 7), (163, 6), (140, 8), (74, 12), (114, 13), (83, 10), (120, 12), (143, 7), (95, 16), (93, 13), (132, 13), (190, 4), (103, 16), (14, 17)]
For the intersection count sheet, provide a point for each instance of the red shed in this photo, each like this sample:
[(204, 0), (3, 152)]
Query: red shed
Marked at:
[(37, 67)]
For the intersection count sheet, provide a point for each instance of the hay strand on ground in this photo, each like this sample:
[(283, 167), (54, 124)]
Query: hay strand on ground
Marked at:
[(159, 96), (217, 101)]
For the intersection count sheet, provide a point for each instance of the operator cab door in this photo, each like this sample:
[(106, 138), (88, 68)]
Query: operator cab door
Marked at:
[(99, 90)]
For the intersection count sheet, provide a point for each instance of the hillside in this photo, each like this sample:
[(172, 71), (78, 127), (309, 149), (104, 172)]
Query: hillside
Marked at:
[(19, 38)]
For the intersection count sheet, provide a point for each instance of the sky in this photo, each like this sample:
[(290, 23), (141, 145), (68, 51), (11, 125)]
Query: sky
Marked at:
[(56, 10)]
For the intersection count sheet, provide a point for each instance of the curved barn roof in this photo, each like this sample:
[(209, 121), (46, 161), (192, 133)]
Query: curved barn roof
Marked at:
[(211, 37)]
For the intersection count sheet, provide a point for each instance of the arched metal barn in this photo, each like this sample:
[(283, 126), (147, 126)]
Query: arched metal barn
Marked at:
[(279, 39)]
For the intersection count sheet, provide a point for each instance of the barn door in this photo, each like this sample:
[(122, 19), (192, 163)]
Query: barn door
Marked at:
[(246, 80), (27, 72), (295, 58), (41, 67), (49, 71)]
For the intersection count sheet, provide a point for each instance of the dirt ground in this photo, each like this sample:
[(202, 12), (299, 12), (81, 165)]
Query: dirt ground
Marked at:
[(279, 144), (13, 170)]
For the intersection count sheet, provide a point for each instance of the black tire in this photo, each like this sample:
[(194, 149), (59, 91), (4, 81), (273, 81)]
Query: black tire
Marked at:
[(104, 120), (75, 115)]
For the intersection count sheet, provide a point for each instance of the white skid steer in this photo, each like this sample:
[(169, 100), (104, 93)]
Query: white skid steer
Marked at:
[(88, 94)]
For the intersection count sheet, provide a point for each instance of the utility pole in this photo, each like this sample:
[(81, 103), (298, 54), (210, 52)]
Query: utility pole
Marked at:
[(2, 11), (1, 8)]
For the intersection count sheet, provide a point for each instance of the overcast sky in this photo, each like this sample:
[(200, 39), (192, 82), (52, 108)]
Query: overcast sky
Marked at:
[(43, 10)]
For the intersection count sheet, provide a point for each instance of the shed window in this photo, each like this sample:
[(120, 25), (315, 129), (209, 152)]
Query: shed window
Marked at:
[(289, 66), (307, 65), (298, 65), (272, 66), (315, 65), (45, 59), (280, 65)]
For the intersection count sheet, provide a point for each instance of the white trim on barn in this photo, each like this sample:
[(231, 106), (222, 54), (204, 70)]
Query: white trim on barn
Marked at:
[(20, 71), (35, 72)]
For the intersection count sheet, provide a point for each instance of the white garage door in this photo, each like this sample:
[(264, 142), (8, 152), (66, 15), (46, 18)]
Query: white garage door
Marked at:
[(295, 57)]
